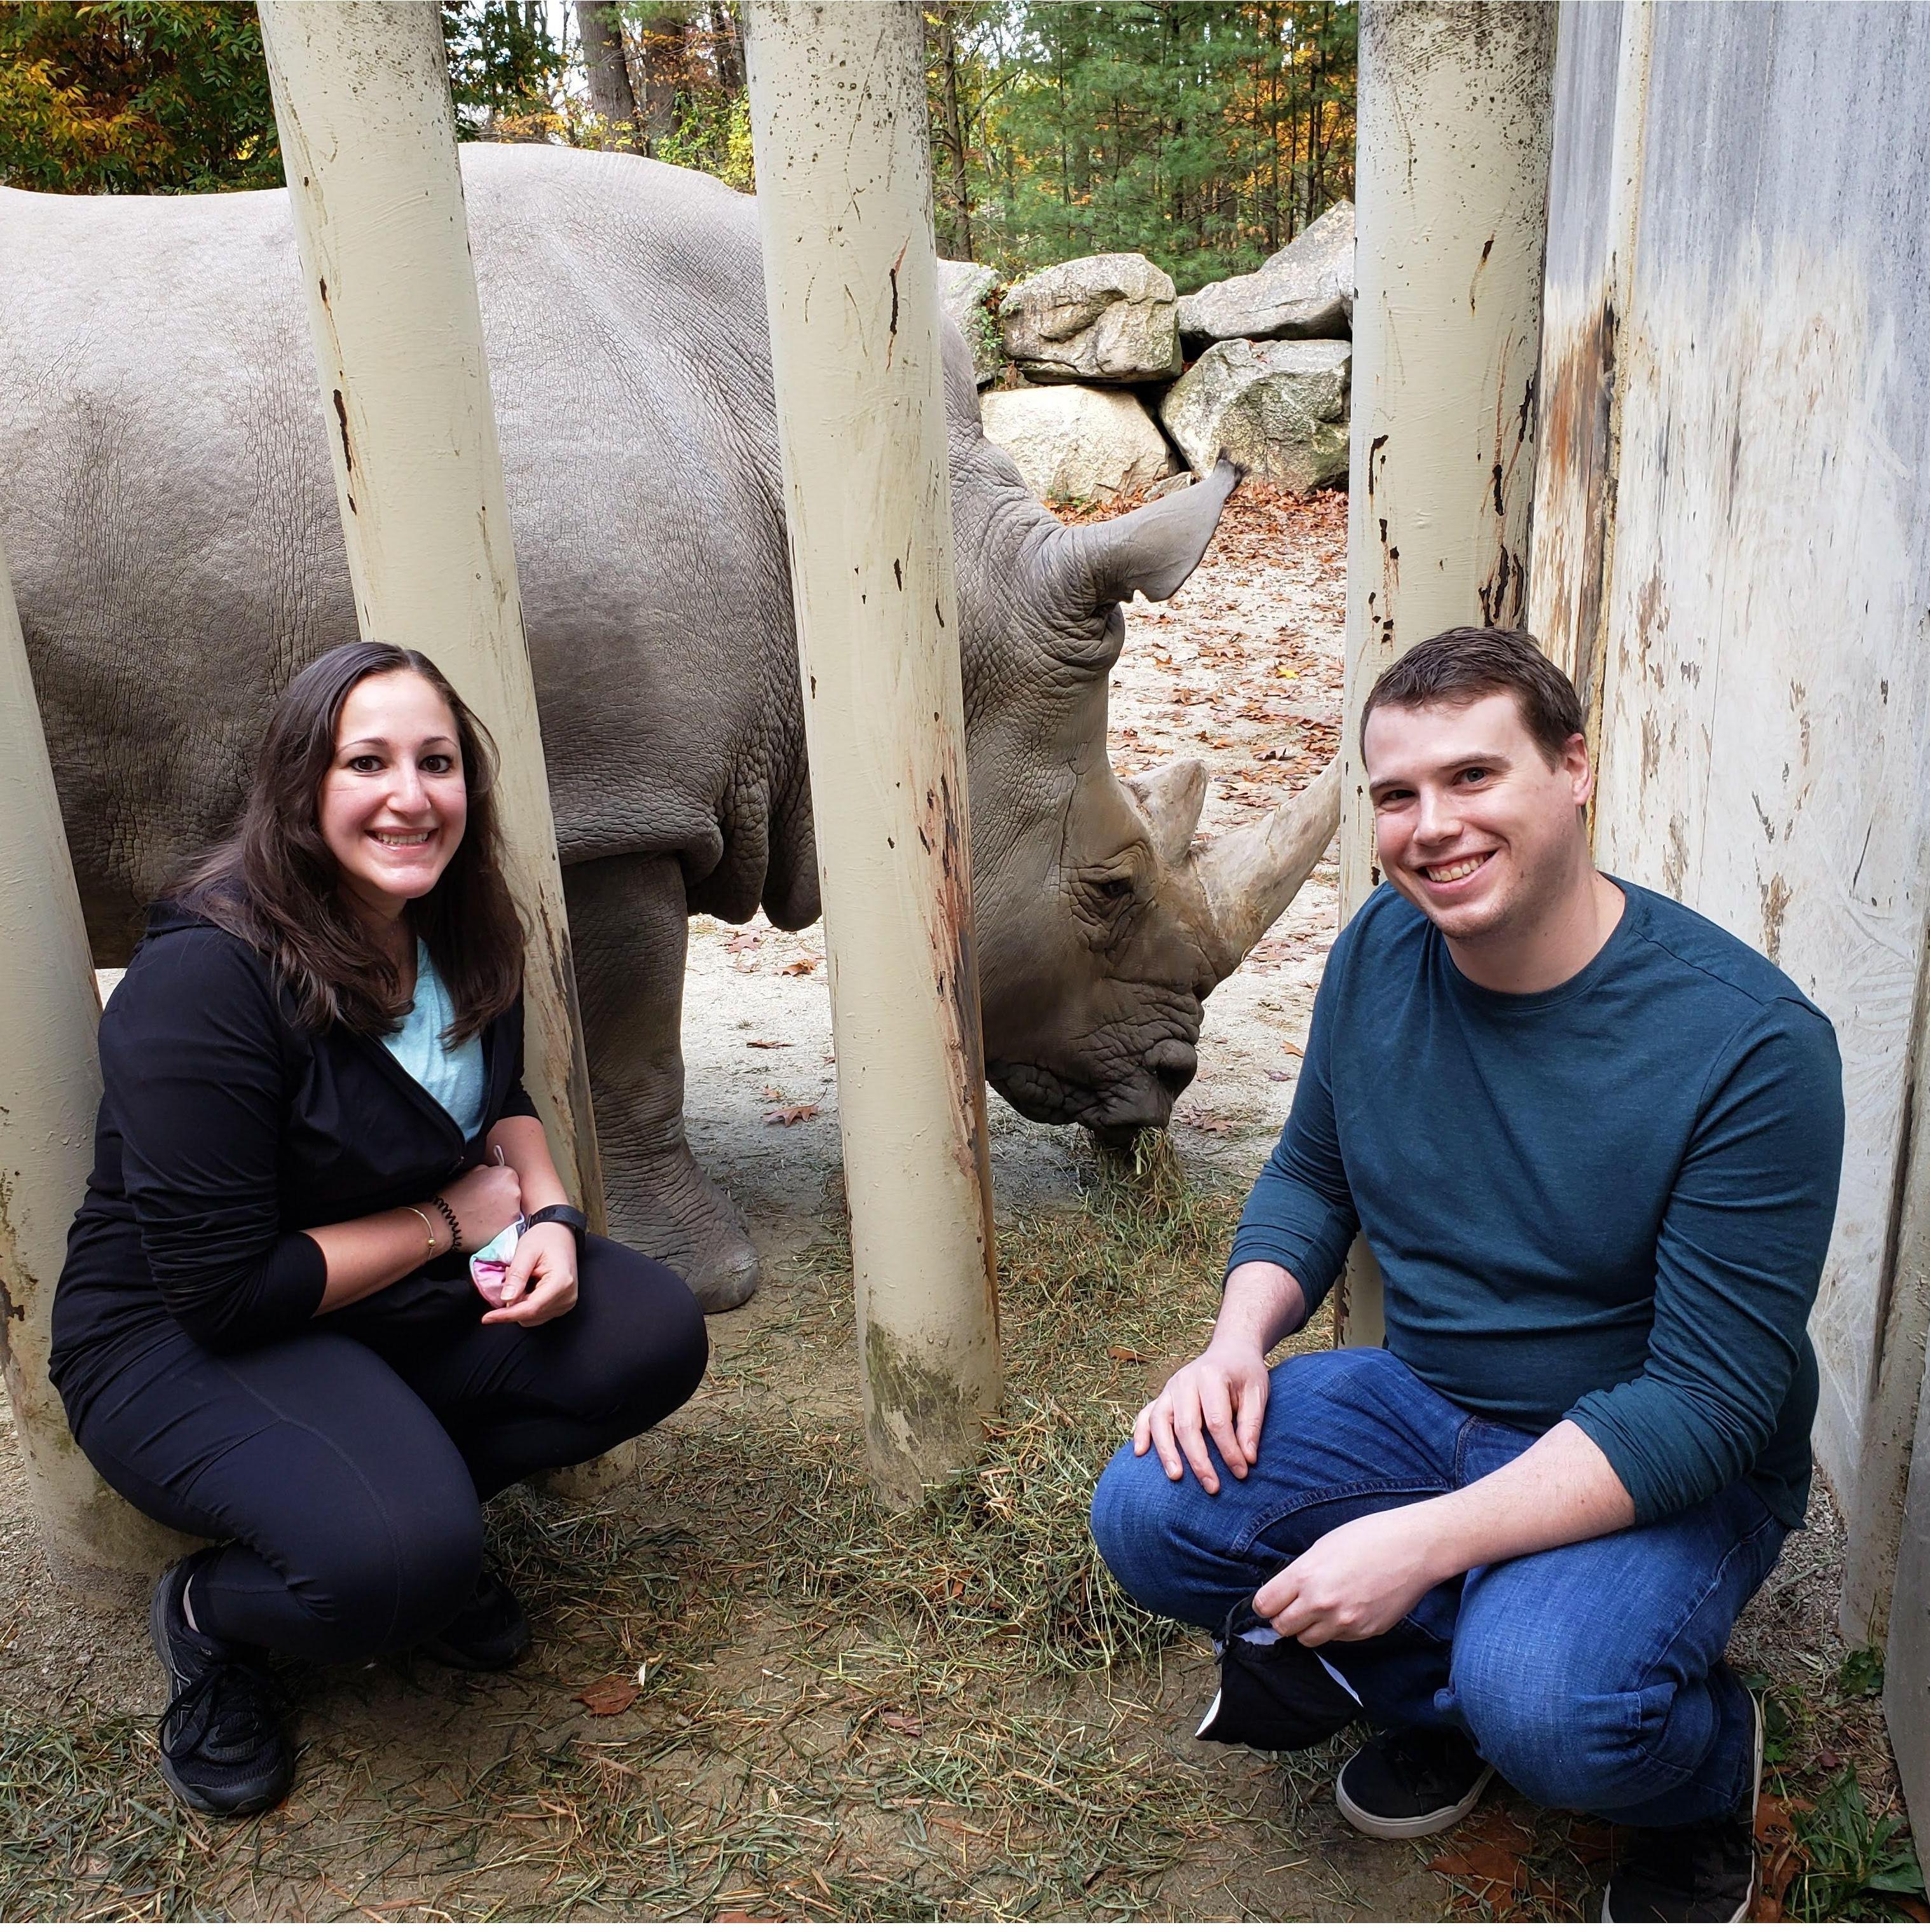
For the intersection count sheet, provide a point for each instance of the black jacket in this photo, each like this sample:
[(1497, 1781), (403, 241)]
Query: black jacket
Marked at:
[(226, 1127)]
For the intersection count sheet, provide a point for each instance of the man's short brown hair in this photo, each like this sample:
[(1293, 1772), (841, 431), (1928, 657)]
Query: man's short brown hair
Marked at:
[(1458, 666)]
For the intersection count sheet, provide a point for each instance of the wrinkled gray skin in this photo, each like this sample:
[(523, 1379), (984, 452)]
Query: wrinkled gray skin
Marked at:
[(166, 501)]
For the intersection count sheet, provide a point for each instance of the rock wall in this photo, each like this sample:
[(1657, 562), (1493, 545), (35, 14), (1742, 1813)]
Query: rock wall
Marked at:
[(1090, 357)]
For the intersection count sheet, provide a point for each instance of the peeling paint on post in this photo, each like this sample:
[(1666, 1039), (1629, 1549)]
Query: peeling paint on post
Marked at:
[(1595, 206), (97, 1545), (838, 119), (1451, 189), (361, 101)]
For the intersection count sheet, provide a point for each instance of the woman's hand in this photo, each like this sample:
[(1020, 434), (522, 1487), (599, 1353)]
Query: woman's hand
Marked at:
[(540, 1284), (485, 1201)]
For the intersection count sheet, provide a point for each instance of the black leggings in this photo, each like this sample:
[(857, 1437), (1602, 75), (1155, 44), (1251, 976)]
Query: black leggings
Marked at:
[(345, 1467)]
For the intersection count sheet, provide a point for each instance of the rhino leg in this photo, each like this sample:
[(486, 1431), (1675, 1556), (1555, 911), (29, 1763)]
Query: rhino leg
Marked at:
[(627, 927)]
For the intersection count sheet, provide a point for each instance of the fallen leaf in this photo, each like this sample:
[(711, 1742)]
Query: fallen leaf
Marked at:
[(767, 1043), (1495, 1874), (1278, 1073), (798, 967), (789, 1116), (608, 1696), (897, 1720), (1120, 1354), (743, 942), (773, 1092)]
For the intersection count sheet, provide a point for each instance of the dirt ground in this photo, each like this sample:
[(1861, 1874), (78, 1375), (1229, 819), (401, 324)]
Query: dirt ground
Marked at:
[(753, 1696)]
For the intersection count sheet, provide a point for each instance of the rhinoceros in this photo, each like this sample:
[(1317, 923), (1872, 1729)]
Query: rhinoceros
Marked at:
[(166, 503)]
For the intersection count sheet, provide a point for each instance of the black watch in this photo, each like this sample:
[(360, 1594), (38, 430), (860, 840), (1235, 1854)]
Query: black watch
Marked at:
[(574, 1219)]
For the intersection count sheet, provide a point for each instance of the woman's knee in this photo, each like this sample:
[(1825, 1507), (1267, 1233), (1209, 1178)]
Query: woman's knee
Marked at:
[(649, 1346), (367, 1583)]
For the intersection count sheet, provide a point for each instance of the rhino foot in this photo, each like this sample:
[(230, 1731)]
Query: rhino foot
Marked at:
[(678, 1216)]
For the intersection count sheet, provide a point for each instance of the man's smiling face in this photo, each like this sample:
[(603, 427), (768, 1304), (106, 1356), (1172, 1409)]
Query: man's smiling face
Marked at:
[(1473, 827)]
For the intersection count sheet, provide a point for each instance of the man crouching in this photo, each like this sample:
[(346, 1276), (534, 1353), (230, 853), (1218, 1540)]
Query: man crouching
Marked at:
[(1593, 1141)]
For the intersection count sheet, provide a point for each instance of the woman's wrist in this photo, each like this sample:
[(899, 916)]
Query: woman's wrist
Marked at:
[(455, 1227)]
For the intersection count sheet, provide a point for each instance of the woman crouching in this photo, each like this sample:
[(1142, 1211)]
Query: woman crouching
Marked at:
[(266, 1332)]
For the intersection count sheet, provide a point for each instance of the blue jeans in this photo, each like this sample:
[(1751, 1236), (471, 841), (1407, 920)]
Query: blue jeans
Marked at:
[(1591, 1677)]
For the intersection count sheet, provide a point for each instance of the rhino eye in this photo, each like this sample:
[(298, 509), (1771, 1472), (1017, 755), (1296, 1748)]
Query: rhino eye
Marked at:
[(1115, 889)]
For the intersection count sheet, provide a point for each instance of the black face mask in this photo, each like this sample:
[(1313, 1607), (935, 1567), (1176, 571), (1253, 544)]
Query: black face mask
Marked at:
[(1275, 1694)]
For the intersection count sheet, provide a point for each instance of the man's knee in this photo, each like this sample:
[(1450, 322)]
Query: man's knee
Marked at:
[(1139, 1519), (1562, 1730)]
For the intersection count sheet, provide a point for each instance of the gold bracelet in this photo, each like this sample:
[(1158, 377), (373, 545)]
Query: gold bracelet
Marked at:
[(428, 1227)]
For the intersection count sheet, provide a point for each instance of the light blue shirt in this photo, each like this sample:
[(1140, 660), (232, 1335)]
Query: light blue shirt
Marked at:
[(454, 1079)]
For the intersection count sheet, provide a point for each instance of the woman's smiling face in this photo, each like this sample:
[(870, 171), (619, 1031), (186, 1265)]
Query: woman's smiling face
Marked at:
[(393, 807)]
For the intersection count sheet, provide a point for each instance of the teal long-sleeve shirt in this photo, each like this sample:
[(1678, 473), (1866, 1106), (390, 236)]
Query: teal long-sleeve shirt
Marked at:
[(1609, 1202)]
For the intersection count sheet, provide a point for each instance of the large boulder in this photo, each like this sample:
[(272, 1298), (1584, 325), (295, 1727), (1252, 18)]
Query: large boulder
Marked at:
[(962, 289), (1075, 445), (1279, 408), (1307, 290), (1101, 319)]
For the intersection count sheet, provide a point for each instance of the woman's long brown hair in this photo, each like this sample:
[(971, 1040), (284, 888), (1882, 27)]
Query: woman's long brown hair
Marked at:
[(274, 882)]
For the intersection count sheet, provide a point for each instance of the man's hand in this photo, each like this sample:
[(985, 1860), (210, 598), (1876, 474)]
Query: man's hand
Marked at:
[(541, 1283), (1224, 1394), (1364, 1577), (1357, 1581)]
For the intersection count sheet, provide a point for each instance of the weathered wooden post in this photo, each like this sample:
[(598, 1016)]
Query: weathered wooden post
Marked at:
[(1450, 173), (361, 101), (838, 118), (97, 1545)]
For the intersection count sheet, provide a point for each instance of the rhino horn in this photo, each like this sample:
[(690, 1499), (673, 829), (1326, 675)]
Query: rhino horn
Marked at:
[(1173, 798), (1249, 876), (1153, 550)]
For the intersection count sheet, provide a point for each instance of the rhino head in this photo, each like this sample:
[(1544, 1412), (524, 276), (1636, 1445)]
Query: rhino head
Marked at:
[(1101, 929)]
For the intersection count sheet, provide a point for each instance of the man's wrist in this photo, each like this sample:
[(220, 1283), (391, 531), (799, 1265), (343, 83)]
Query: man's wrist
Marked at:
[(1439, 1532), (1260, 1305)]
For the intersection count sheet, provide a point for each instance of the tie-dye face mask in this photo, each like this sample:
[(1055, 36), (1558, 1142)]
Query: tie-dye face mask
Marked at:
[(488, 1266)]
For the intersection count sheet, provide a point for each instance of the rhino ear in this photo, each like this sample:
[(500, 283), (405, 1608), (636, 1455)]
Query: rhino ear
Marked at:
[(1154, 550)]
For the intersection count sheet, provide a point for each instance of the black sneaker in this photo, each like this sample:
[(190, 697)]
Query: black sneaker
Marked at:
[(1275, 1694), (221, 1746), (489, 1632), (1690, 1874), (1408, 1784)]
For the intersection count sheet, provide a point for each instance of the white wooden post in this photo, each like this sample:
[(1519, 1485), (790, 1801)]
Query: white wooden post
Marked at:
[(97, 1545), (361, 101), (1452, 138), (837, 118)]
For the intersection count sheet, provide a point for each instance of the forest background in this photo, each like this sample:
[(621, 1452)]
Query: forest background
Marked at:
[(1205, 136)]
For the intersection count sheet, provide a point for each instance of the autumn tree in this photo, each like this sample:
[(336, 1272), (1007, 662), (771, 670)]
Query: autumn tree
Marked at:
[(123, 97)]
